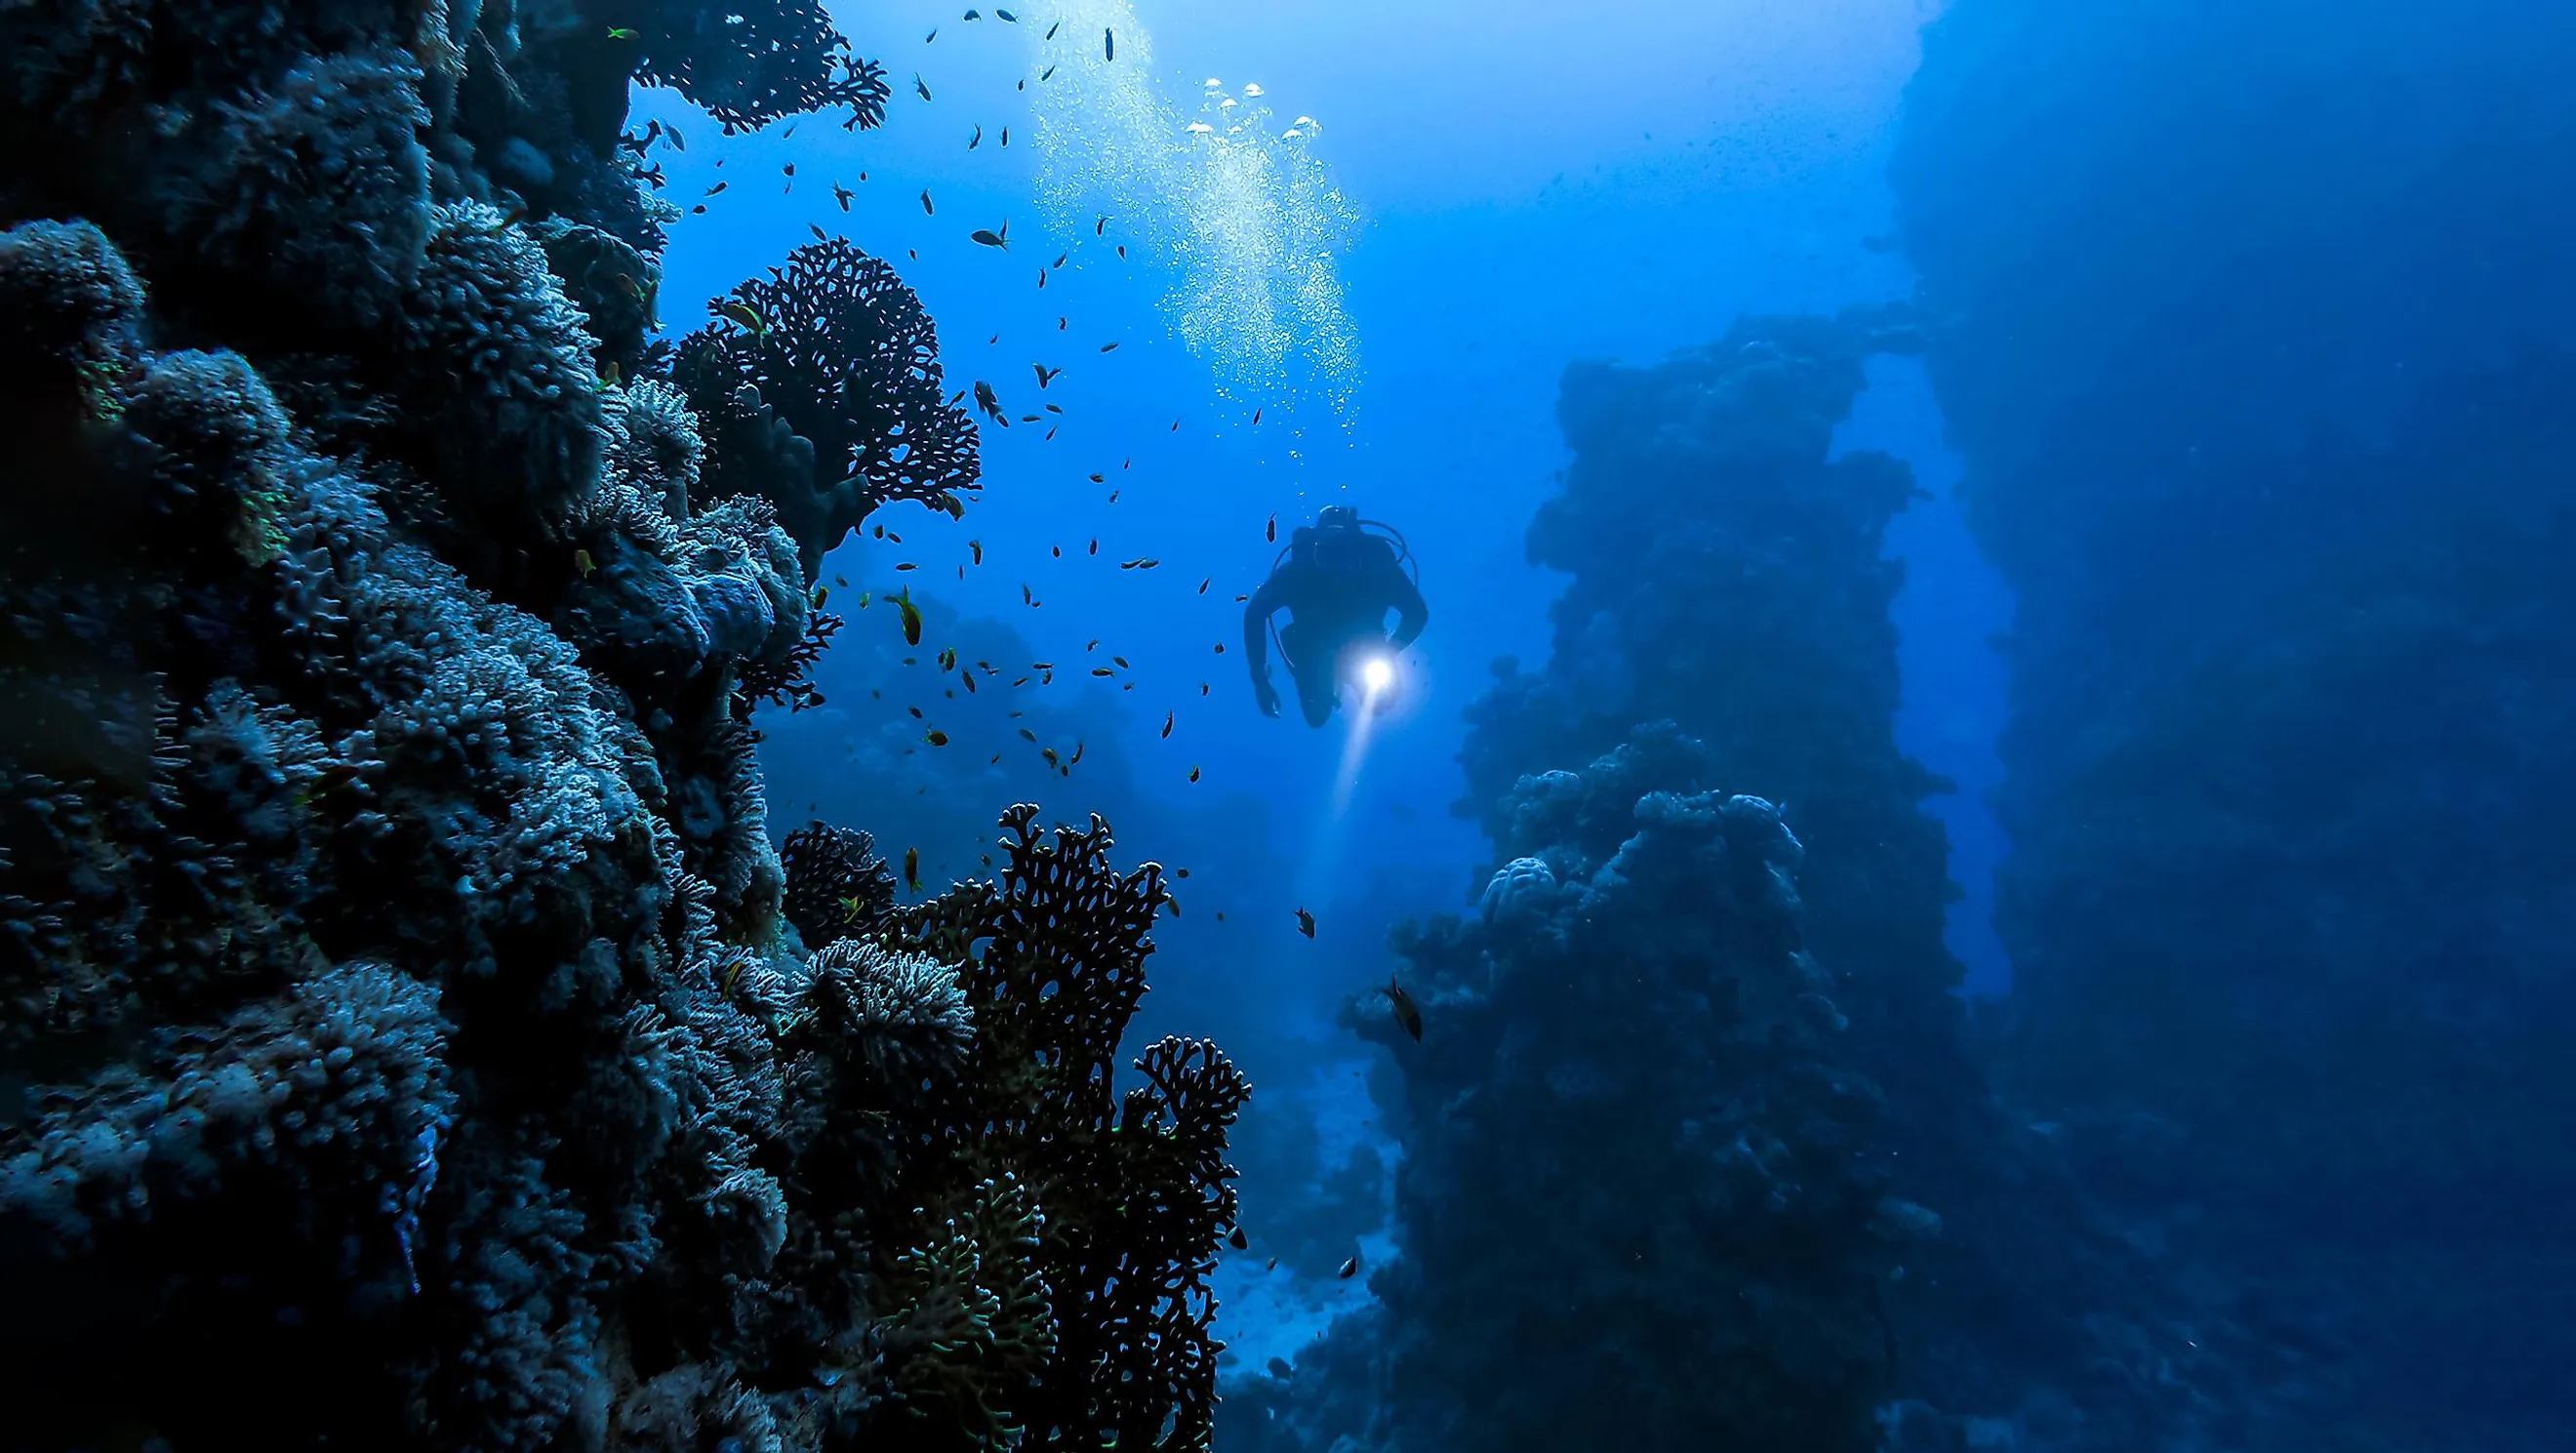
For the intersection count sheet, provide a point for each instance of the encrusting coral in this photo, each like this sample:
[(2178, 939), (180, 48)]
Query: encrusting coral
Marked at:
[(412, 1037)]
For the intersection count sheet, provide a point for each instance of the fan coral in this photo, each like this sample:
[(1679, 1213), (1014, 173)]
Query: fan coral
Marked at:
[(846, 358), (1134, 1187), (837, 886), (750, 63)]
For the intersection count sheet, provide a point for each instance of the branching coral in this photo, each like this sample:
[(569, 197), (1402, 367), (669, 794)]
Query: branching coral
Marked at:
[(844, 357)]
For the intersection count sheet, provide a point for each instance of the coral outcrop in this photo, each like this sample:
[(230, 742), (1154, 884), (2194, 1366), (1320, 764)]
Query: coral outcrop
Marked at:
[(2275, 456), (1631, 1138), (412, 1038)]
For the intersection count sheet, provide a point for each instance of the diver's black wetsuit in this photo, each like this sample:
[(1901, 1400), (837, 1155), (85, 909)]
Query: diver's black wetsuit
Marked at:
[(1337, 585)]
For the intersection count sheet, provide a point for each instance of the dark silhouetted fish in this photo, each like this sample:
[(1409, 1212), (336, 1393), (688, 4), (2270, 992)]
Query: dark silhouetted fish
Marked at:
[(1407, 1013)]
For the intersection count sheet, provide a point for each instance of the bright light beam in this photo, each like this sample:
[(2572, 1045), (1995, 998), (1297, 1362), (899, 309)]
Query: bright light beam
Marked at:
[(1318, 879)]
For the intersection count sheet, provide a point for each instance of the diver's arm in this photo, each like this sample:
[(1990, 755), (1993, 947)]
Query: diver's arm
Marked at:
[(1256, 643), (1412, 614), (1256, 628)]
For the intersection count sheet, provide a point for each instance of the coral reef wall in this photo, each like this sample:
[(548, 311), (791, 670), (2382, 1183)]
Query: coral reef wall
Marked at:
[(1728, 575), (412, 1037), (2276, 453), (1643, 1203)]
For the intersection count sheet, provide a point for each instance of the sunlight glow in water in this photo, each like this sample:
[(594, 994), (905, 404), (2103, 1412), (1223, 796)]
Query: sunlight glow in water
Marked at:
[(1231, 203)]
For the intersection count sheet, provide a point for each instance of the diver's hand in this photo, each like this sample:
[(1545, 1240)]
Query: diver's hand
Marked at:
[(1265, 696)]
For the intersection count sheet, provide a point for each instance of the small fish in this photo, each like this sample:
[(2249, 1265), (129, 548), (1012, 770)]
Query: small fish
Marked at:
[(1032, 736), (935, 737), (1203, 585), (1100, 479), (1350, 1268), (1042, 272), (842, 195), (948, 659), (920, 86), (677, 144), (1052, 29), (977, 547), (790, 168), (912, 867), (1270, 531), (621, 32), (1108, 347), (977, 139), (926, 209), (1046, 375), (1077, 753), (742, 313), (581, 562), (1102, 671), (1273, 1263), (1025, 597), (1407, 1013), (1049, 754), (990, 403), (1060, 257), (1100, 227), (1108, 44), (1305, 923), (992, 239), (1095, 547), (1194, 776), (819, 234), (933, 35), (1256, 416), (1167, 723), (1046, 74), (608, 374), (850, 908), (1236, 1240), (718, 187), (911, 618), (1006, 15), (1006, 136)]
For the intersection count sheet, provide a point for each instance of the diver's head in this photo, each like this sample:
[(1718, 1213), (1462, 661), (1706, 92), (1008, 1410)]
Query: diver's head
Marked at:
[(1333, 518)]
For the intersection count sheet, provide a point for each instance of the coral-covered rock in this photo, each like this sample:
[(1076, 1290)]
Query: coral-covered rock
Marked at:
[(1630, 1115)]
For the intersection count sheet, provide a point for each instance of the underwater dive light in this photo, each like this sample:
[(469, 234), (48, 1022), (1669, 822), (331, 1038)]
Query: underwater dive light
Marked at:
[(1377, 675)]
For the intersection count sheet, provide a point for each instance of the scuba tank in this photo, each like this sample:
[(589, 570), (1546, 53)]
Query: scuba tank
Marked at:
[(1377, 530)]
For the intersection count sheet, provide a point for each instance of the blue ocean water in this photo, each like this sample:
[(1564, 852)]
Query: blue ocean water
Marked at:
[(1973, 855)]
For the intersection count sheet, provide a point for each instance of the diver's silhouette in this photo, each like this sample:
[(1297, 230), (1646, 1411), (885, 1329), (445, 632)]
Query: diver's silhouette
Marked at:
[(1337, 579)]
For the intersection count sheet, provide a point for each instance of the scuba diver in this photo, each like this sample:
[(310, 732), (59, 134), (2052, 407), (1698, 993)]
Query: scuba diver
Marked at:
[(1337, 579)]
